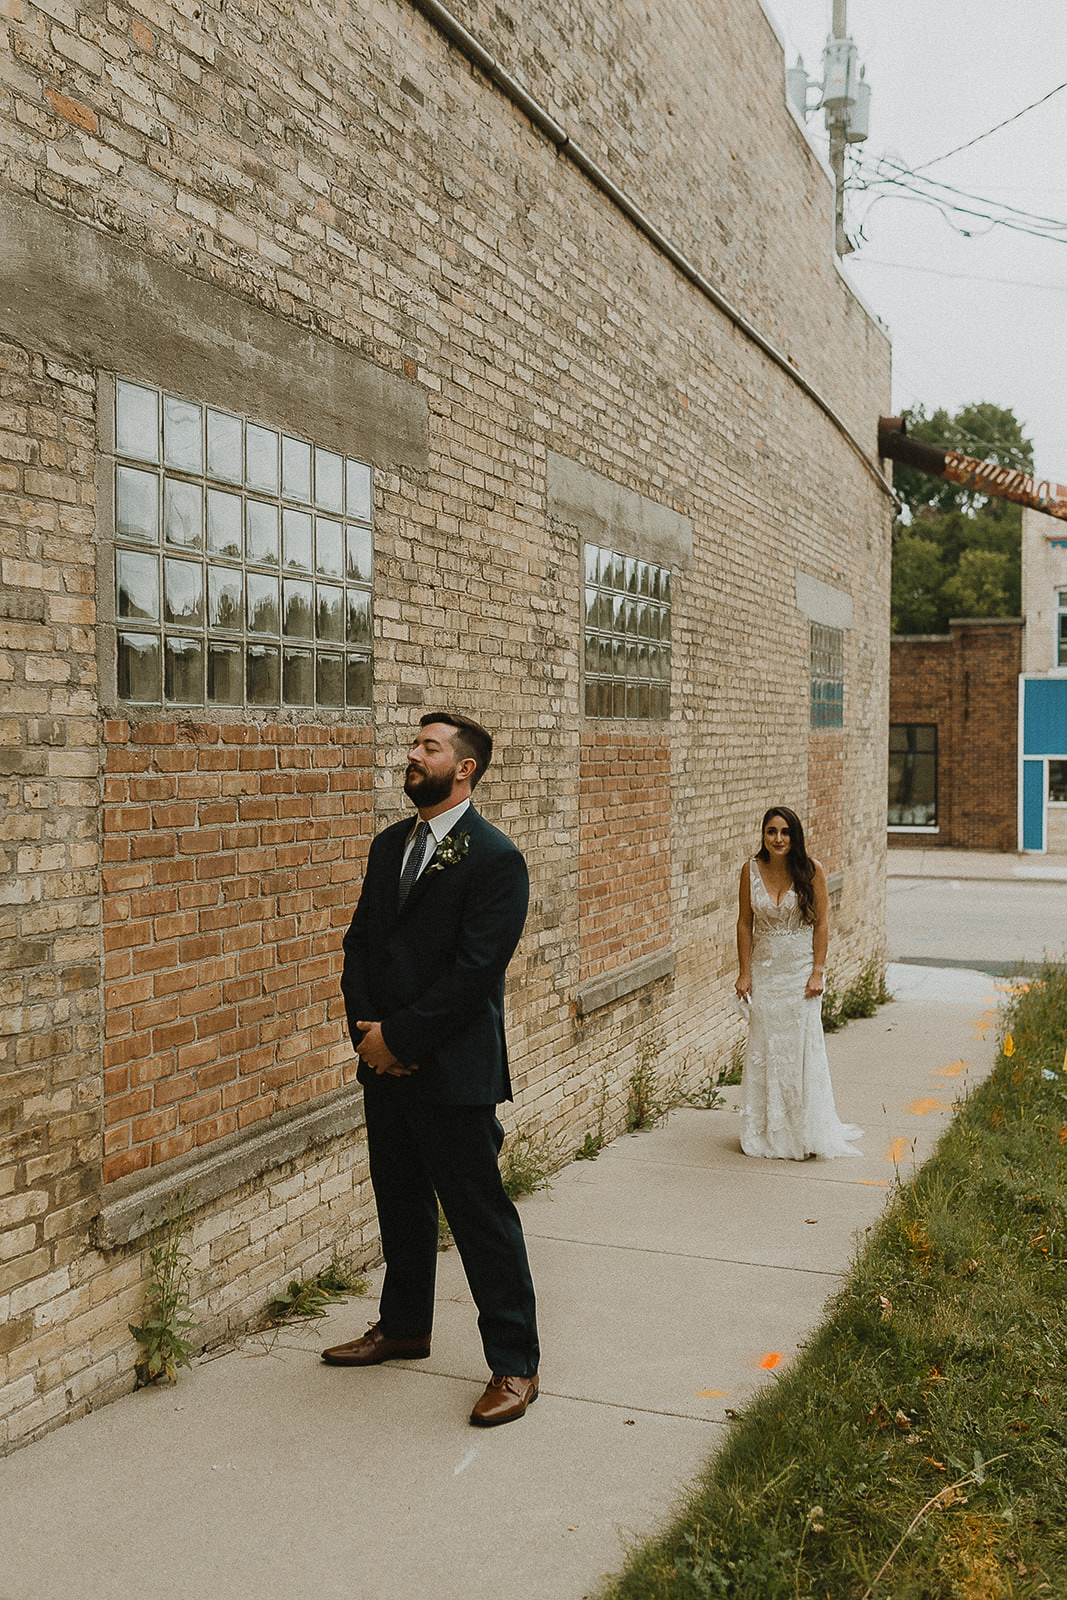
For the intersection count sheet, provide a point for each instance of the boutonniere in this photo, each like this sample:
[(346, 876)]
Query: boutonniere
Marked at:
[(449, 853)]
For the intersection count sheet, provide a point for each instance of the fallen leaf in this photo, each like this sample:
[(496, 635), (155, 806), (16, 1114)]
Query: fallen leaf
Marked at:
[(903, 1421), (810, 1220), (938, 1466), (770, 1360)]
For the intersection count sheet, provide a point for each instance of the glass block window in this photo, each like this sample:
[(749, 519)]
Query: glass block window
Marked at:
[(827, 654), (627, 636), (243, 561), (912, 775)]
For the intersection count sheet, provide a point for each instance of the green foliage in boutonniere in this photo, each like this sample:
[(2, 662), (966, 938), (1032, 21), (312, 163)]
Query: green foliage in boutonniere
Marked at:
[(449, 853)]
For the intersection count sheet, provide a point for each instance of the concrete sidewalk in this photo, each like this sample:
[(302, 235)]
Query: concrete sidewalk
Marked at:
[(675, 1276), (989, 865)]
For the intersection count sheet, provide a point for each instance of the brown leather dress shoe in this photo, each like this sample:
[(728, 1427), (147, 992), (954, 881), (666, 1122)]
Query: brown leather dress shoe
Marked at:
[(505, 1399), (374, 1347)]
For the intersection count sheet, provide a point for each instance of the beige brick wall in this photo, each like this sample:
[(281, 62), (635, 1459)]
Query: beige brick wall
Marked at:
[(284, 213)]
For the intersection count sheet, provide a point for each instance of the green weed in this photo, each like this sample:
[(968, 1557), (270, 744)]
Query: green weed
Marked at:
[(641, 1104), (168, 1320), (861, 999), (528, 1161), (312, 1296)]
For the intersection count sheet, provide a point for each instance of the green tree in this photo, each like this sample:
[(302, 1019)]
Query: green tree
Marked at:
[(980, 585), (975, 538), (918, 579)]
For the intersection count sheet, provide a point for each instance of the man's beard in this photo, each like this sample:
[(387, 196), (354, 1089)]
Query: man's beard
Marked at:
[(423, 790)]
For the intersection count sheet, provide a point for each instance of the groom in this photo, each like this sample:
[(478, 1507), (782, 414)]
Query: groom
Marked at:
[(439, 916)]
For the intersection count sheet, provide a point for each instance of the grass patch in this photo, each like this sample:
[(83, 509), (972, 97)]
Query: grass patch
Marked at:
[(917, 1450)]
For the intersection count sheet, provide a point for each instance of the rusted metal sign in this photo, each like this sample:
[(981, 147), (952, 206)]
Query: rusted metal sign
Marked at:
[(986, 477)]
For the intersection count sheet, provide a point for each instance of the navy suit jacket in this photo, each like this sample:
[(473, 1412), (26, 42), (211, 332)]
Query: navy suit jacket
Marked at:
[(432, 973)]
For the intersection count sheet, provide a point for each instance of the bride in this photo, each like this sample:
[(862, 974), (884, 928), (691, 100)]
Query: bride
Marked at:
[(782, 933)]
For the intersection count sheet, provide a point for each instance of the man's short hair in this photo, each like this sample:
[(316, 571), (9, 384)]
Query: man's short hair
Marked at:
[(470, 741)]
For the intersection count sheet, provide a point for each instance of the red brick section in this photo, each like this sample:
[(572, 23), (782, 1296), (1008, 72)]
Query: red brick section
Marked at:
[(826, 798), (624, 860), (967, 685), (232, 858)]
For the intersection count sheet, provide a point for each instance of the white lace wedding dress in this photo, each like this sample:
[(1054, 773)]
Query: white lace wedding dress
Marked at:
[(788, 1103)]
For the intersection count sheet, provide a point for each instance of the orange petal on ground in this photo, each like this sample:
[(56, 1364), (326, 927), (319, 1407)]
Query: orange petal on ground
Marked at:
[(771, 1360)]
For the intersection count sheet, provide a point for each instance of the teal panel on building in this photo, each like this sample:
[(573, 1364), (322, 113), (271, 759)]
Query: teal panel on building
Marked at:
[(1033, 805), (1045, 717)]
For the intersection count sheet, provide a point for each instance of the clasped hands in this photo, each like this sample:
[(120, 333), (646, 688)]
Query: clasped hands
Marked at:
[(373, 1051), (812, 989)]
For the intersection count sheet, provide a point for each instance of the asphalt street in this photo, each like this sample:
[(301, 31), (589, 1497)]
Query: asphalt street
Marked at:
[(947, 912)]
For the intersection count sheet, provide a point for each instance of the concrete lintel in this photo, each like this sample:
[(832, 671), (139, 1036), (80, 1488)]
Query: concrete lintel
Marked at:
[(821, 602), (84, 296), (134, 1205), (607, 514), (623, 981)]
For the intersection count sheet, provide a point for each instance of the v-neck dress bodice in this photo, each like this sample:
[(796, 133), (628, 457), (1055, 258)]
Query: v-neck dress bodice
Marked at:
[(788, 1106)]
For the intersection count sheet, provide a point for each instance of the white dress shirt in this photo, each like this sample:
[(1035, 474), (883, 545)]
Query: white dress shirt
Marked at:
[(440, 825)]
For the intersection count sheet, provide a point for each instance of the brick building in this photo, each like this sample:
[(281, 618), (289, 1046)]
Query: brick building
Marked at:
[(352, 362), (953, 735)]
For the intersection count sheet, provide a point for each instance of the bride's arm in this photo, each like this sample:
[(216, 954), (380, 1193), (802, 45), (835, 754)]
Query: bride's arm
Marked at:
[(820, 936), (744, 935)]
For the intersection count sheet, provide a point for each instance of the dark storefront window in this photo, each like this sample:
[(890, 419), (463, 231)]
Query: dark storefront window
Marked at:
[(912, 775)]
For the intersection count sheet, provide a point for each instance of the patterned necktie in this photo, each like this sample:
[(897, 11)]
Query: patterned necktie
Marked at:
[(414, 862)]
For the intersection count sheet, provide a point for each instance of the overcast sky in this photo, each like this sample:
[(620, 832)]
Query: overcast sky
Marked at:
[(971, 319)]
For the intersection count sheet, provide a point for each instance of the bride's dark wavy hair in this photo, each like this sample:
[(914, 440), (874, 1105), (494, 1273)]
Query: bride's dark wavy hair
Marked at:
[(801, 866)]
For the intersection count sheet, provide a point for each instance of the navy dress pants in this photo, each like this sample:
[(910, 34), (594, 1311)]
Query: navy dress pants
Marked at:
[(419, 1154)]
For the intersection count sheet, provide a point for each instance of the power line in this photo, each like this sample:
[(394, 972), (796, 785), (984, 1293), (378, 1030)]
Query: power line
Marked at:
[(996, 129), (890, 177), (967, 277), (898, 170)]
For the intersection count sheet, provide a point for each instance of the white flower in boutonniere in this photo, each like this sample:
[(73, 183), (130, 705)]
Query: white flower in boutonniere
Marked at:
[(449, 853)]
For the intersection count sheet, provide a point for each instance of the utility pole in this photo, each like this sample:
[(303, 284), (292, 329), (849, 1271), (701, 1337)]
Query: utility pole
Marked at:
[(836, 122), (845, 99)]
